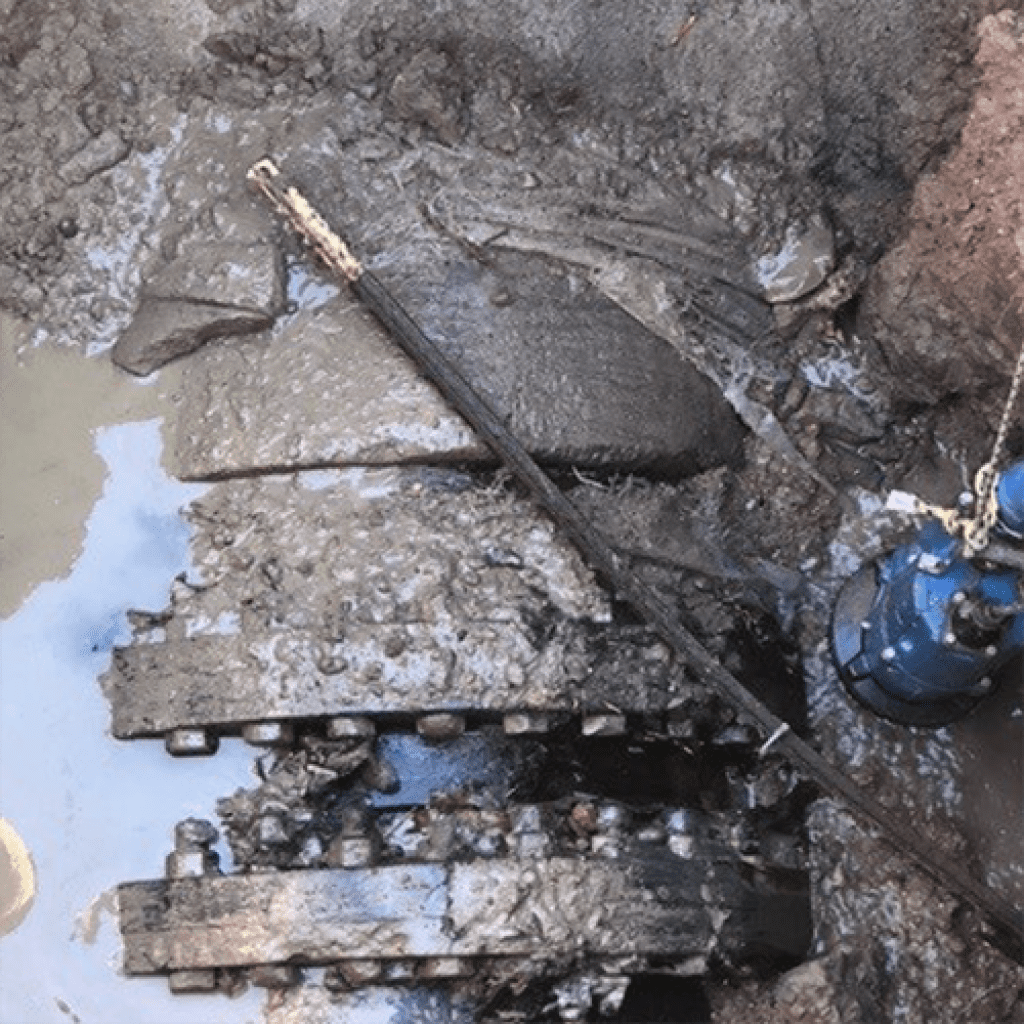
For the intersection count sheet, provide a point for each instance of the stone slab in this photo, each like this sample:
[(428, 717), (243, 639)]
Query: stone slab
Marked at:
[(388, 670)]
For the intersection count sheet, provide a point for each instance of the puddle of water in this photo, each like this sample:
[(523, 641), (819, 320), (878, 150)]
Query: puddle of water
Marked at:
[(308, 289), (51, 399), (92, 812), (484, 759)]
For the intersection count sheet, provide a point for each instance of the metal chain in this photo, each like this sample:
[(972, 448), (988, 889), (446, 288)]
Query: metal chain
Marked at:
[(976, 530)]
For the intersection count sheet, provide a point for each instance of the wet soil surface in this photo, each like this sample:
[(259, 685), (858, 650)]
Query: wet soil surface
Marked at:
[(730, 310)]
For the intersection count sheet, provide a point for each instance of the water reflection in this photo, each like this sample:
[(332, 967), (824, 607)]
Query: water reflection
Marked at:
[(92, 811)]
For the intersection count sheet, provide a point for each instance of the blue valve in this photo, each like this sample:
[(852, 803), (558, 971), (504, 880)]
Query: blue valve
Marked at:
[(918, 634)]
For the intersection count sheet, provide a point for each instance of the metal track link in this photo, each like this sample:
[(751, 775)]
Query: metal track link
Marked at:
[(192, 691), (549, 885), (1007, 921)]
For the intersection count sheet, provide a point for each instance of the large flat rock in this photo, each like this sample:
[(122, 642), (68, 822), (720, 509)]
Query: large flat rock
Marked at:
[(579, 381)]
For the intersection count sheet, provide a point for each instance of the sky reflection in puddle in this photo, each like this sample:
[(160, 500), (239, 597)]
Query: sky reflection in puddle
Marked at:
[(92, 811)]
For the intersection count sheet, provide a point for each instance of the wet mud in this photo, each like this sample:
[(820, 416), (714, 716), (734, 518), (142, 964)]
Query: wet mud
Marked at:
[(730, 311)]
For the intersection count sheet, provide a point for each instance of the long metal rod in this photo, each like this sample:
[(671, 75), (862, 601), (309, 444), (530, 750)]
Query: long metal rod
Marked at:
[(617, 573)]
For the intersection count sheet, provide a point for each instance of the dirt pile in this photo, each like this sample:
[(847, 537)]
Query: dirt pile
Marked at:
[(944, 303)]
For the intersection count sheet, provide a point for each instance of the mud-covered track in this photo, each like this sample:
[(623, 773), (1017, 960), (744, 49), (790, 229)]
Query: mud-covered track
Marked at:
[(628, 587), (685, 887), (223, 682)]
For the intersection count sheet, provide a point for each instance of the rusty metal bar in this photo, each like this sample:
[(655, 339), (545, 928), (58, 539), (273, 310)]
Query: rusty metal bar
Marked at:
[(1007, 921)]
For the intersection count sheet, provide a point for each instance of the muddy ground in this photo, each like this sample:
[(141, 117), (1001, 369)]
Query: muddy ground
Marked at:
[(732, 270)]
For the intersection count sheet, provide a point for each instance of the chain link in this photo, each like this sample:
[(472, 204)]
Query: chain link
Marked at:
[(977, 529)]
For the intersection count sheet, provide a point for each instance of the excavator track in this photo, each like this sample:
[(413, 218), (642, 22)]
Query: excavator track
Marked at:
[(450, 891)]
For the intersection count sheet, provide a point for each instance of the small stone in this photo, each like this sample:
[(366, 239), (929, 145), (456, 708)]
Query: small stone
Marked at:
[(311, 854), (803, 263), (194, 833), (682, 845), (612, 818), (609, 847), (583, 819), (166, 329), (77, 70), (270, 831), (99, 154)]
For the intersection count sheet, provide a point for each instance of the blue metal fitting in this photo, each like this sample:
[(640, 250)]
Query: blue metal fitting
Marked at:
[(917, 635), (1010, 497)]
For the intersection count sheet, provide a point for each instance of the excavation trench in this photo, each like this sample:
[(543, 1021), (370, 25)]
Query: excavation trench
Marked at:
[(728, 312)]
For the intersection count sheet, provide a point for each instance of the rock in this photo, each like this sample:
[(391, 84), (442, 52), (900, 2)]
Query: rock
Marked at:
[(165, 329), (802, 263), (840, 415), (209, 291), (77, 67), (99, 154), (807, 993)]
